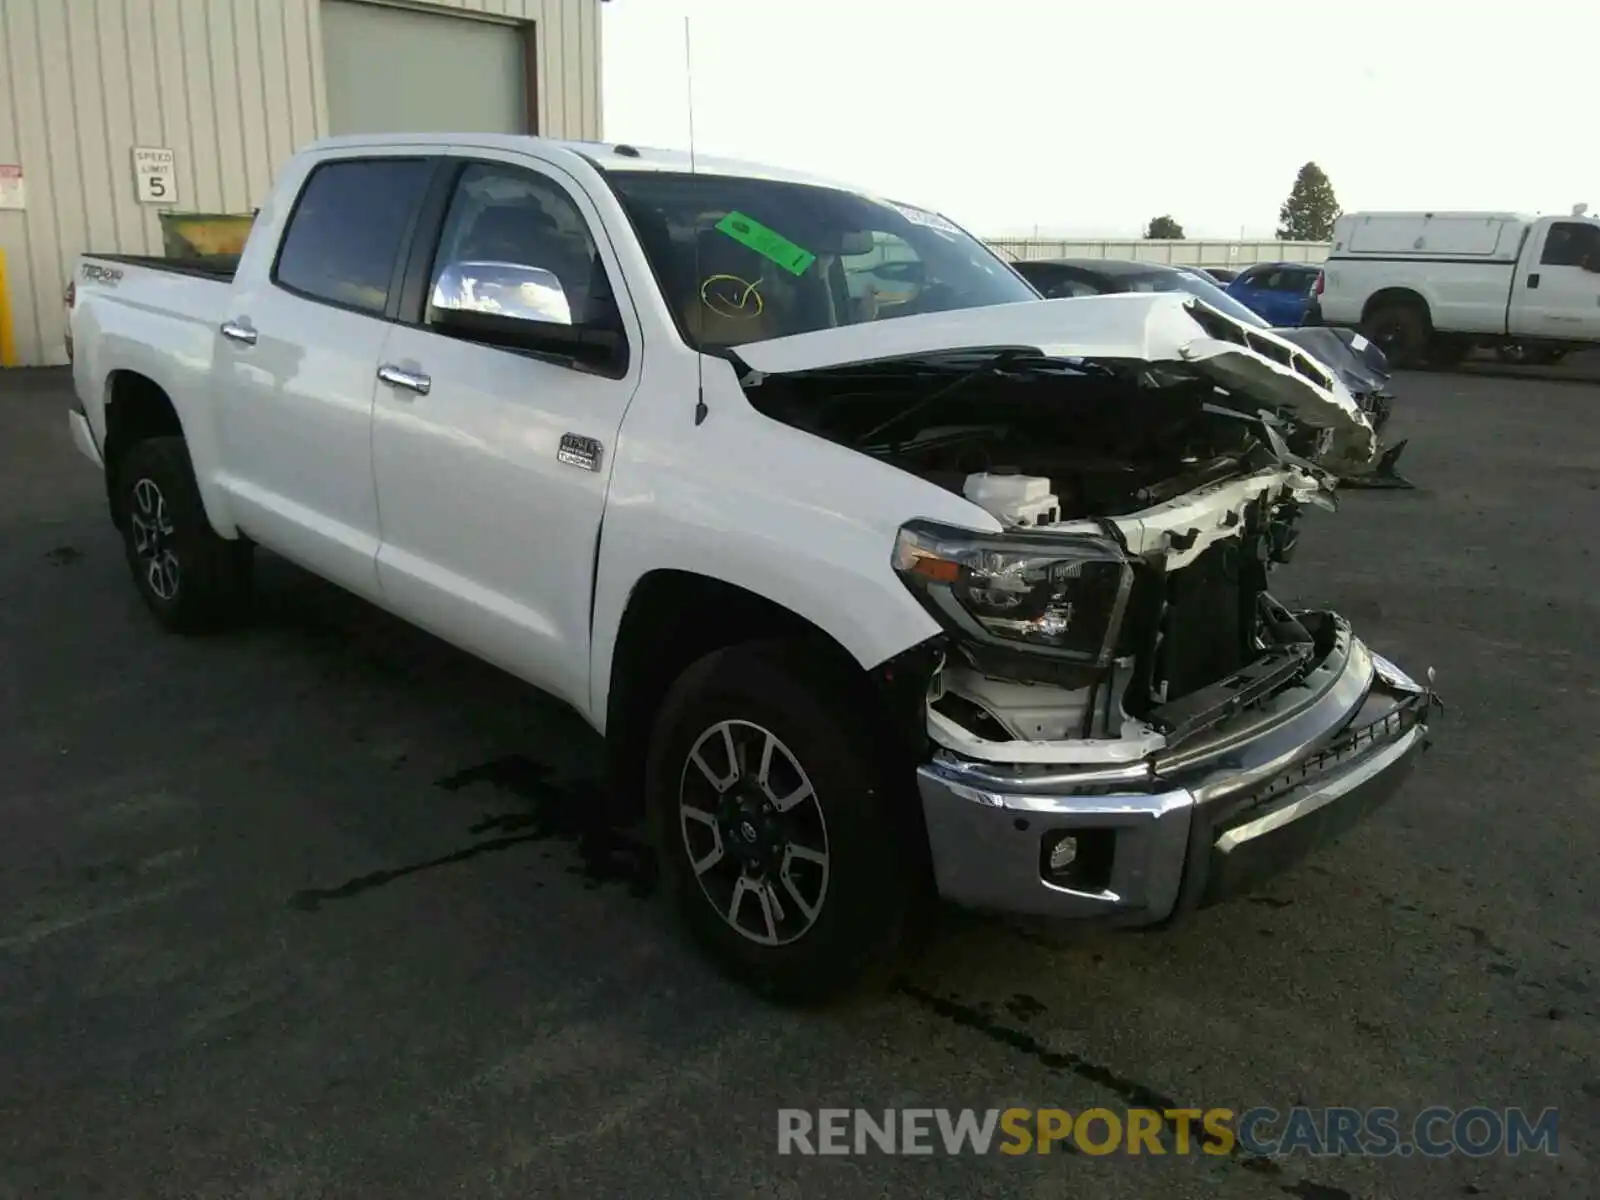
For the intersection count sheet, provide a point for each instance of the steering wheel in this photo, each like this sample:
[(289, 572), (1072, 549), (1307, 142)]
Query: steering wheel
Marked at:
[(934, 297)]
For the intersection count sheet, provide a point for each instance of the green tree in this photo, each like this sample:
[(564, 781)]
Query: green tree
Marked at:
[(1164, 227), (1311, 209)]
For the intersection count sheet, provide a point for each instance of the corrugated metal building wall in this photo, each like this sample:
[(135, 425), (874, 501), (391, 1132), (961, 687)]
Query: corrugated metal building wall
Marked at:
[(232, 87)]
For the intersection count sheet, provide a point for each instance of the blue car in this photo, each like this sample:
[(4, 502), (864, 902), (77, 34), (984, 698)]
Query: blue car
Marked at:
[(1280, 292)]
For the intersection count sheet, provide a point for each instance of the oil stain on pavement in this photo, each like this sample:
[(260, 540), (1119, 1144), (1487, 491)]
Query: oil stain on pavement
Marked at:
[(563, 811)]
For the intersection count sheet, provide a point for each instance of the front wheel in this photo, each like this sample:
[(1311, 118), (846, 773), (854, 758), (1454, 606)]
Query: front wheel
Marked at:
[(785, 839), (190, 578)]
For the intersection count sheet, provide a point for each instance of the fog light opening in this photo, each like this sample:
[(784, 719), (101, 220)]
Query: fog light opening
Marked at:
[(1064, 854), (1079, 859)]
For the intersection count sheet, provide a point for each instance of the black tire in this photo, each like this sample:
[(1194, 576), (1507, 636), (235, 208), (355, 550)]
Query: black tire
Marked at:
[(869, 832), (191, 579), (1402, 332)]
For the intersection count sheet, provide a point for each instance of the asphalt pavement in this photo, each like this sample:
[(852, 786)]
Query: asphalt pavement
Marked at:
[(320, 908)]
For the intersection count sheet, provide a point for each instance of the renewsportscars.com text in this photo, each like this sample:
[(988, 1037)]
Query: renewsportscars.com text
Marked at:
[(1436, 1132)]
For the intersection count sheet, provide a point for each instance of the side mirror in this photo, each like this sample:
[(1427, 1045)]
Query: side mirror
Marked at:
[(510, 290), (522, 307)]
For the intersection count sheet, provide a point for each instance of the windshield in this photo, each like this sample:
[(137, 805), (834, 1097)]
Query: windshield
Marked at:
[(1195, 285), (743, 260)]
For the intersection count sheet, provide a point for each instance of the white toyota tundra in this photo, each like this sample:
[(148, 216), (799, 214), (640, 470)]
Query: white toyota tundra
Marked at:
[(875, 570)]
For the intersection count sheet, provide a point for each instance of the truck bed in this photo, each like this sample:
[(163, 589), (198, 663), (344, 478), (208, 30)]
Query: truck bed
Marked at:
[(159, 316), (220, 267)]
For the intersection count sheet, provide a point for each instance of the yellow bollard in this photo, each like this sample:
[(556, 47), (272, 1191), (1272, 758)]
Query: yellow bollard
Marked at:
[(8, 344)]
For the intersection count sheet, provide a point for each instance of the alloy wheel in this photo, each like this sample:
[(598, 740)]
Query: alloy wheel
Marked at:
[(150, 522), (754, 831)]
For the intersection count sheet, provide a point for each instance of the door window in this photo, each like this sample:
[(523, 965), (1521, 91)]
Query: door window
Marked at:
[(1292, 280), (505, 214), (1569, 243), (348, 229)]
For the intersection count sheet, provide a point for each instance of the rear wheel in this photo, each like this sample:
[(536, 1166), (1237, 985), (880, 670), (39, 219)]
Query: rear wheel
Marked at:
[(784, 842), (1402, 332), (190, 578)]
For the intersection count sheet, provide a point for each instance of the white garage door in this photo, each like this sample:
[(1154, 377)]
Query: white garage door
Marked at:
[(393, 70)]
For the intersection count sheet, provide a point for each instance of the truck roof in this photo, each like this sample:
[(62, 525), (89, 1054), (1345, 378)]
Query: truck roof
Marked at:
[(607, 156)]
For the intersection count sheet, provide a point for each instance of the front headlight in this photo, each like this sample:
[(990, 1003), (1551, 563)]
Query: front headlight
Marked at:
[(1061, 595)]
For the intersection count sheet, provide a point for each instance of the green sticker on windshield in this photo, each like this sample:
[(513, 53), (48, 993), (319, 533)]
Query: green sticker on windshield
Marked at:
[(766, 242)]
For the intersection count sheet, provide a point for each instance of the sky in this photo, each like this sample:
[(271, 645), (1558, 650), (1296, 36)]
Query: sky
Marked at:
[(1088, 117)]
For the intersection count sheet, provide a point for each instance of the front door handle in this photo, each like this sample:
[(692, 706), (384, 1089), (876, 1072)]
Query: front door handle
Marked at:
[(235, 332), (1533, 280), (410, 380)]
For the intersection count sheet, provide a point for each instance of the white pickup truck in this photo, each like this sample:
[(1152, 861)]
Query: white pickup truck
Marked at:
[(1429, 287), (964, 589)]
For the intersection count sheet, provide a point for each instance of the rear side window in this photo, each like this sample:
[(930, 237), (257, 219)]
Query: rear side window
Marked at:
[(348, 228)]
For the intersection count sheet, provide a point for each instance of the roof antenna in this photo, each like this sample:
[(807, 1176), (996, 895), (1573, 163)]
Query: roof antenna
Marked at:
[(700, 409)]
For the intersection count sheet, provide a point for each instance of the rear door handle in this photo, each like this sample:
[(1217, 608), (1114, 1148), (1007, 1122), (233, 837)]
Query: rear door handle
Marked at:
[(235, 332), (1533, 280), (410, 380)]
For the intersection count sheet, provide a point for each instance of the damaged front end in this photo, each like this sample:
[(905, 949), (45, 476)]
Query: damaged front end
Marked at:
[(1146, 475), (1118, 680), (1091, 648), (1363, 368), (1130, 736)]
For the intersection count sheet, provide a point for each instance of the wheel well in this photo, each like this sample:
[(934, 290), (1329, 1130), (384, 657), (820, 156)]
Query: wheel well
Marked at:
[(1398, 297), (137, 409), (675, 618)]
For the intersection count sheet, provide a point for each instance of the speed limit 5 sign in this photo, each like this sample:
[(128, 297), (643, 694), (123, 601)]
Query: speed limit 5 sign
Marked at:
[(154, 178)]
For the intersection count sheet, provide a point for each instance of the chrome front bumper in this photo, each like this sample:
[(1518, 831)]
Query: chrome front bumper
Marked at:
[(1192, 825)]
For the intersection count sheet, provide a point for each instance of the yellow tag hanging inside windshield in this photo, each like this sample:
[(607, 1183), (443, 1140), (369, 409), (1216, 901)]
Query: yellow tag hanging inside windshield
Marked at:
[(766, 242)]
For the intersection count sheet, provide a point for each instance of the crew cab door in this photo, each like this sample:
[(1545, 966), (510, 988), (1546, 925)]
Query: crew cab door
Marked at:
[(295, 356), (1556, 293), (492, 455)]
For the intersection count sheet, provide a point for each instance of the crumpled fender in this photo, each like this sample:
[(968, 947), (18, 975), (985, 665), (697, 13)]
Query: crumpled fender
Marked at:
[(1352, 444)]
